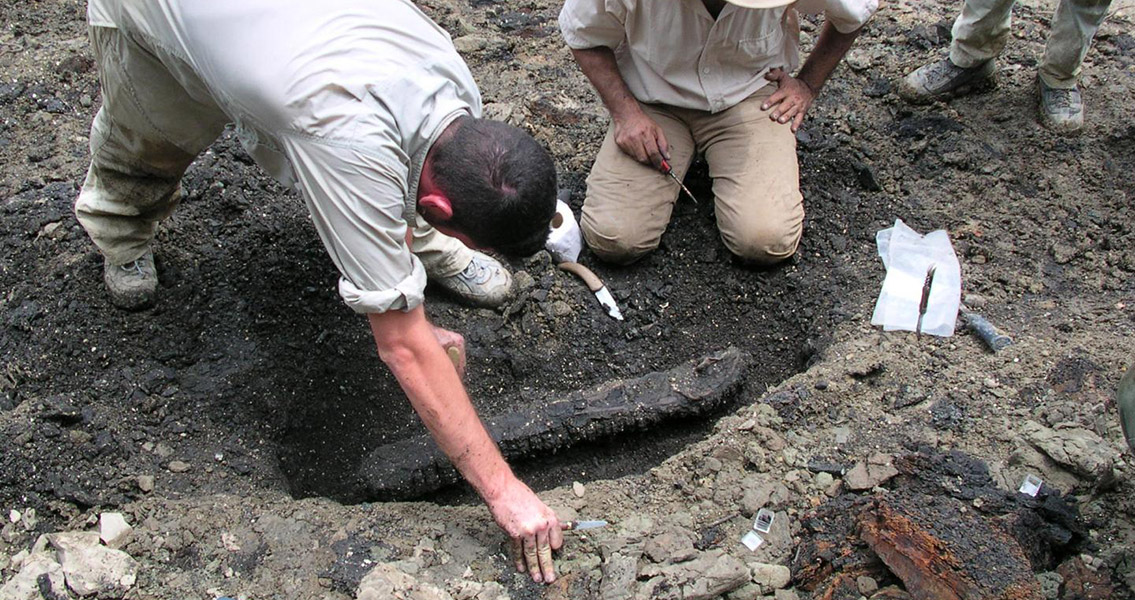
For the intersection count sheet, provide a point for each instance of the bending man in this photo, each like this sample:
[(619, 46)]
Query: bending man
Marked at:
[(367, 110)]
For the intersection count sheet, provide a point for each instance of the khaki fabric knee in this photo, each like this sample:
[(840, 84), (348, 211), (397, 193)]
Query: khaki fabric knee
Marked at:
[(153, 122), (756, 179), (628, 204)]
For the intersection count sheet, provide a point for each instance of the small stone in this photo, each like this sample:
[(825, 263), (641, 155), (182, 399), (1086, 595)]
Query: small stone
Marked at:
[(824, 480), (91, 568), (114, 531), (1050, 582), (146, 483), (177, 466), (27, 583), (14, 516), (786, 595), (770, 577), (578, 489), (867, 585), (29, 519), (559, 308)]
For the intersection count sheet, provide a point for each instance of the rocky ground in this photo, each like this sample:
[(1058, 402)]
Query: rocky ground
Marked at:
[(227, 424)]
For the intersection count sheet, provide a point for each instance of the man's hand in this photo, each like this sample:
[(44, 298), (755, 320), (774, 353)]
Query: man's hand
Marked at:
[(637, 135), (640, 138), (532, 527), (450, 341), (791, 100)]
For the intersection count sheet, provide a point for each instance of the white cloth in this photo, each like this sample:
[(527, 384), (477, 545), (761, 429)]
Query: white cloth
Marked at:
[(907, 256), (674, 52), (340, 99)]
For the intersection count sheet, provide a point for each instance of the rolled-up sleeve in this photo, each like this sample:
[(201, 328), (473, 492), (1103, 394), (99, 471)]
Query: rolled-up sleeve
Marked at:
[(356, 201), (845, 15), (593, 23)]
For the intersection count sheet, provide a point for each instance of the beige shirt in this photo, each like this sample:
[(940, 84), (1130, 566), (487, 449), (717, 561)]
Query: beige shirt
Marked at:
[(674, 52), (338, 99)]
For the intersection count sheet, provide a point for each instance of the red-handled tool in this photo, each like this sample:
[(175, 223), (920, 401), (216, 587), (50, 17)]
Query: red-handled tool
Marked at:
[(665, 167)]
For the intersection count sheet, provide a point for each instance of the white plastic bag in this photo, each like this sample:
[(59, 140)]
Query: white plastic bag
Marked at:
[(908, 256), (565, 240)]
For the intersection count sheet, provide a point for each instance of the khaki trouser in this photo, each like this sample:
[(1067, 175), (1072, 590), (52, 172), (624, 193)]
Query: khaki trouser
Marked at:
[(756, 184), (981, 30), (156, 117)]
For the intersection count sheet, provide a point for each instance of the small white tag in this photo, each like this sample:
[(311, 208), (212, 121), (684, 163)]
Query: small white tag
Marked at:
[(752, 541), (763, 521), (1031, 485)]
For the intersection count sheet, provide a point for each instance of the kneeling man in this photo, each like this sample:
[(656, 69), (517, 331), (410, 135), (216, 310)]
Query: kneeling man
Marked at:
[(710, 76)]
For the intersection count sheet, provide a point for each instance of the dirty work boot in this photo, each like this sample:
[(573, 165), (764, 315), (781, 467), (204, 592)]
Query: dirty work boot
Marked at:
[(1060, 109), (485, 282), (132, 286), (943, 80)]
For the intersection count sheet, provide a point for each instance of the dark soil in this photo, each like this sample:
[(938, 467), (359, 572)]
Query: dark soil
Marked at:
[(252, 371)]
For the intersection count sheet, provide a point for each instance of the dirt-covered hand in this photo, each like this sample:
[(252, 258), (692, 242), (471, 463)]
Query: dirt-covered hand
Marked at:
[(640, 138), (533, 529), (791, 100), (452, 340)]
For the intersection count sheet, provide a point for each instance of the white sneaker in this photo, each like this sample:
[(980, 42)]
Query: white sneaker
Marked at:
[(485, 282)]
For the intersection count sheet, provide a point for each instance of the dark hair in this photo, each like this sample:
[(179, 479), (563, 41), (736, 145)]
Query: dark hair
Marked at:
[(501, 183)]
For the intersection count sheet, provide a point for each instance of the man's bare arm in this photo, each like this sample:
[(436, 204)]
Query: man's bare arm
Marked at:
[(408, 344), (636, 134), (795, 95)]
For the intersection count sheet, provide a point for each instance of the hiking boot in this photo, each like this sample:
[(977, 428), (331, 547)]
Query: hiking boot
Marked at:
[(485, 282), (1060, 109), (132, 286), (943, 80)]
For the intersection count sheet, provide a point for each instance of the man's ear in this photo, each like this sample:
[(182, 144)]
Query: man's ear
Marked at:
[(436, 208)]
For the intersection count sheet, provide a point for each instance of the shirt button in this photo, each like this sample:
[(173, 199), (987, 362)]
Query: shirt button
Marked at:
[(705, 70)]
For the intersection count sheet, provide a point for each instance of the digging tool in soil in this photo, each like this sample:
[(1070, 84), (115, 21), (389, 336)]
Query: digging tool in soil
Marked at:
[(415, 466)]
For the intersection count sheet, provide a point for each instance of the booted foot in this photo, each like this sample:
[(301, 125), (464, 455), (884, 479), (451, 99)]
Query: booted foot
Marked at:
[(485, 282), (1060, 109), (943, 80), (132, 286)]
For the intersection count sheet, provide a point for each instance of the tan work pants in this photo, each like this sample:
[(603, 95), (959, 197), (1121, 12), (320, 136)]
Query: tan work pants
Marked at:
[(156, 117), (981, 30), (756, 184)]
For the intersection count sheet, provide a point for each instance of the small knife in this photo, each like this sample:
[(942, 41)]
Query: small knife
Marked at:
[(665, 167), (593, 283), (581, 525)]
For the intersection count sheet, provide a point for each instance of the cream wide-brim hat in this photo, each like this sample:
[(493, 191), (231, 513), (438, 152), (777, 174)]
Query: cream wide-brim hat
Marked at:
[(760, 3)]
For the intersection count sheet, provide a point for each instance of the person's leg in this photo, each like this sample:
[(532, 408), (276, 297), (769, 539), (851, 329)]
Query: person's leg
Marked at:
[(628, 204), (149, 129), (1073, 27), (980, 32), (441, 255), (146, 134), (472, 276), (756, 180)]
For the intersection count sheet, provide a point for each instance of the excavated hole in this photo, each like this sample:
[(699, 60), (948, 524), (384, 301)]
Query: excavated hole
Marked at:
[(688, 301)]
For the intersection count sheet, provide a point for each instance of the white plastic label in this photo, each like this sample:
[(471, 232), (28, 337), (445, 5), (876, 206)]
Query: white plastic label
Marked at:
[(752, 541), (1031, 485)]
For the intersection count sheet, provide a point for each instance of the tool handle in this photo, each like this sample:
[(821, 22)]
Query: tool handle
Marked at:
[(568, 525), (993, 339), (665, 167), (590, 279)]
